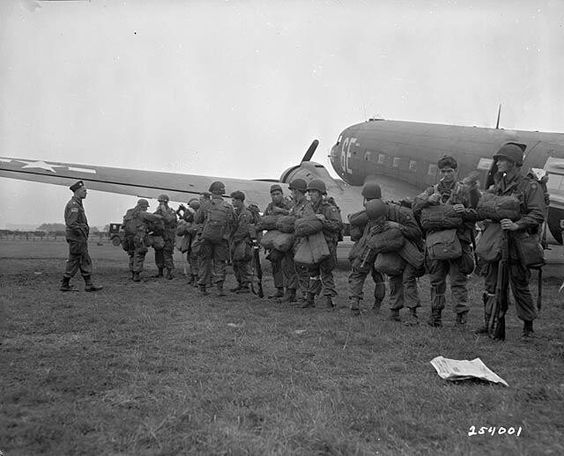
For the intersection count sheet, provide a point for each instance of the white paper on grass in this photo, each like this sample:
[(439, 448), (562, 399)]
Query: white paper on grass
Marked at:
[(453, 369)]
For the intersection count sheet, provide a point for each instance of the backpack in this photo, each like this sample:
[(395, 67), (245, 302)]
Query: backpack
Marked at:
[(216, 223), (130, 223), (443, 245)]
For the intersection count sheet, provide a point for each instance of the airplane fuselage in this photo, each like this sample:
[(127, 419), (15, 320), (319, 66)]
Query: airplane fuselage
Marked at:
[(408, 152)]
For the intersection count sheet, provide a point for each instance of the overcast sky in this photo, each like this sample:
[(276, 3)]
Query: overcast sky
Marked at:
[(241, 88)]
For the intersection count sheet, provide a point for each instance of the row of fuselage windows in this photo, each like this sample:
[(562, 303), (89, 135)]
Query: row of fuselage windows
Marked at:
[(383, 160)]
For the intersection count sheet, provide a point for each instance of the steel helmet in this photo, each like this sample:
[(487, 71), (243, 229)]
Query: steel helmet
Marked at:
[(375, 208), (511, 151), (319, 185), (298, 184), (371, 190), (194, 203), (163, 198), (143, 202), (217, 187)]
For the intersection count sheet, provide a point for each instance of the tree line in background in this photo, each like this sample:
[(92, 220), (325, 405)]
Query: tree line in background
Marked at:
[(49, 231)]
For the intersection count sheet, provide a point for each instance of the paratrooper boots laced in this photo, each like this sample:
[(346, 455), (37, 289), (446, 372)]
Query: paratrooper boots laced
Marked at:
[(328, 301), (309, 302), (394, 315), (203, 290), (159, 273), (355, 306), (290, 296), (279, 293), (220, 291), (244, 289), (376, 306), (527, 330), (435, 319), (66, 286), (461, 319), (169, 274), (136, 277), (235, 289), (412, 319), (90, 286)]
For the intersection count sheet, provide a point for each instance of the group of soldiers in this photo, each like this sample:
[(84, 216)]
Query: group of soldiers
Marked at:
[(213, 232)]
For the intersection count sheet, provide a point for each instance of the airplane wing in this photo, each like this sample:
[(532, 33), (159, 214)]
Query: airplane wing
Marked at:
[(179, 187), (143, 184)]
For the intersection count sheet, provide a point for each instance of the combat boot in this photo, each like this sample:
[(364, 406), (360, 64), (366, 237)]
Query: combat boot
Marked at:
[(244, 289), (65, 285), (435, 318), (309, 302), (195, 282), (220, 291), (376, 306), (461, 319), (412, 319), (90, 286), (191, 280), (394, 315), (169, 274), (355, 306), (485, 329), (279, 293), (136, 277), (527, 330), (235, 289), (328, 300), (290, 295), (203, 290), (159, 273)]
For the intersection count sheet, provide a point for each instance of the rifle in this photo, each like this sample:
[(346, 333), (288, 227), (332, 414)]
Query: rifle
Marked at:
[(496, 324), (257, 268)]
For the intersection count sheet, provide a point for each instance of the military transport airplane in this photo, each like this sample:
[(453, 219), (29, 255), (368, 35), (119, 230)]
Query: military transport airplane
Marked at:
[(401, 156)]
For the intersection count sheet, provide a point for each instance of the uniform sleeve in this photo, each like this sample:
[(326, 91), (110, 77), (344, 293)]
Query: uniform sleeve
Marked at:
[(421, 201), (333, 221), (200, 216), (73, 219), (408, 225), (534, 207)]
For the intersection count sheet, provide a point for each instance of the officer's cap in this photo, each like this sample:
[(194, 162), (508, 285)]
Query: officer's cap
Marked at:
[(217, 188), (74, 187), (238, 195), (275, 188), (143, 202), (163, 198)]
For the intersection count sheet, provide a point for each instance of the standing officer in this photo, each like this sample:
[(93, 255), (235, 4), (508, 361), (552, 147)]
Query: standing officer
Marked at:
[(135, 243), (163, 257), (217, 218), (463, 198), (296, 278), (241, 244), (77, 237), (508, 180), (360, 224), (330, 216), (278, 206)]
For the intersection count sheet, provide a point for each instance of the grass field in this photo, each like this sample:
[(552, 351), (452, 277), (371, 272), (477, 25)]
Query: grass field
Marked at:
[(154, 369)]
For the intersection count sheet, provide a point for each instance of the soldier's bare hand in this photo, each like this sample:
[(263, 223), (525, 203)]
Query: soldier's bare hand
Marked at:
[(434, 198), (507, 224), (459, 208)]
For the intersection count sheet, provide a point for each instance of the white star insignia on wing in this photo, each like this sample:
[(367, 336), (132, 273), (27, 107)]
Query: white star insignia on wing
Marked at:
[(40, 164)]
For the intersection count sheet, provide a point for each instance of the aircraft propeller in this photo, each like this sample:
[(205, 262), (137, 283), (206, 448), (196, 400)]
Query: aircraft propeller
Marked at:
[(310, 151)]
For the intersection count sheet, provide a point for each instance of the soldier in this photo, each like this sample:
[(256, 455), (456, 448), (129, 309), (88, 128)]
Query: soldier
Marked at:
[(508, 180), (77, 237), (463, 197), (278, 206), (360, 224), (321, 275), (163, 257), (135, 242), (241, 244), (194, 231), (217, 218), (403, 287), (296, 278)]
